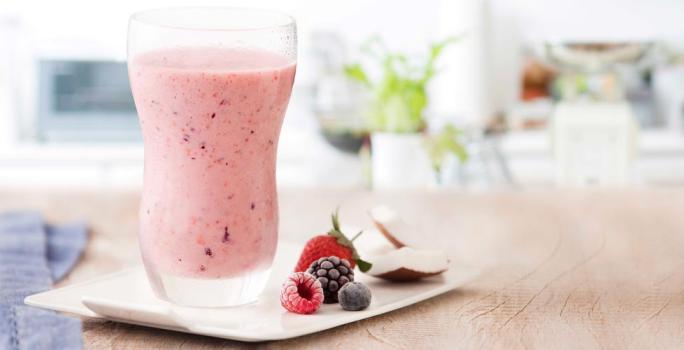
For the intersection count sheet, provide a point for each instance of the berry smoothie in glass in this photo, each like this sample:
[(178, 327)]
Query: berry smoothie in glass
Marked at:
[(211, 87)]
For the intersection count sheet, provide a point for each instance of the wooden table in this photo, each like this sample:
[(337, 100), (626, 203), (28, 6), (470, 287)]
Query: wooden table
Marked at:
[(561, 269)]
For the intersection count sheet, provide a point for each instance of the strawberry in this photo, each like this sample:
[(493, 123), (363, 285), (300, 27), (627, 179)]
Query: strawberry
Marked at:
[(335, 243)]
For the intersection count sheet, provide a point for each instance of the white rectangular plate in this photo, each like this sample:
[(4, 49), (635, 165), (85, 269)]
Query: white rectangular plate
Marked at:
[(125, 296)]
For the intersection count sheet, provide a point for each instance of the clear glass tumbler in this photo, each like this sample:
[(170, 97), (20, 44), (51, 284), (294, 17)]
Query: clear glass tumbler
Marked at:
[(211, 86)]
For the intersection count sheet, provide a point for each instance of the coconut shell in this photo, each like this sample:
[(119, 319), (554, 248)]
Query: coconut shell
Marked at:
[(404, 274)]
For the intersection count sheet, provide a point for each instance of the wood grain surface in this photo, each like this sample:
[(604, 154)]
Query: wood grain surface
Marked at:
[(561, 269)]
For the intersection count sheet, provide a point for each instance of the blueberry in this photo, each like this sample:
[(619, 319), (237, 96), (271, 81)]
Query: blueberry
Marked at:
[(354, 296)]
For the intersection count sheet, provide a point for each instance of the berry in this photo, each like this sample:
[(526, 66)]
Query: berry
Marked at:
[(333, 273), (301, 293), (319, 247), (335, 243), (354, 296)]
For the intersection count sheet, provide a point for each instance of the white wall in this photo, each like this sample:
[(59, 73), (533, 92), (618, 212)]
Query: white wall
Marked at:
[(595, 19)]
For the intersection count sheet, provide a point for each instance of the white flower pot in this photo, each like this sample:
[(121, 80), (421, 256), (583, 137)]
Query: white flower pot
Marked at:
[(400, 161)]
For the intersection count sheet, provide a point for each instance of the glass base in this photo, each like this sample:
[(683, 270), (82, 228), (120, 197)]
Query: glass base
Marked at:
[(219, 292)]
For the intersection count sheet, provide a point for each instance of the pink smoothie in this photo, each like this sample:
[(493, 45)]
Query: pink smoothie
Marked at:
[(210, 120)]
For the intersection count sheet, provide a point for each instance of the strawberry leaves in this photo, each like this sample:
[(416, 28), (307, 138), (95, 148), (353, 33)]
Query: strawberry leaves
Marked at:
[(342, 240), (363, 265)]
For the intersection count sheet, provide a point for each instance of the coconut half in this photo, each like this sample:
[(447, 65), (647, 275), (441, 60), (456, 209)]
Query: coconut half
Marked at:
[(402, 261), (388, 223), (408, 264)]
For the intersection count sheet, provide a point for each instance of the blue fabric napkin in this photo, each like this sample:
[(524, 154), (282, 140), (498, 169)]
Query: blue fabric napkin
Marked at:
[(33, 254)]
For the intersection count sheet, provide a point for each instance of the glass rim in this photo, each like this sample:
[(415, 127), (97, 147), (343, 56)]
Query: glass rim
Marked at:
[(149, 17)]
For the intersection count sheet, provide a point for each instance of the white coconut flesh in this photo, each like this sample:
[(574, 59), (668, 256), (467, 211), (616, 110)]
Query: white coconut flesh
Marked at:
[(408, 264), (397, 231)]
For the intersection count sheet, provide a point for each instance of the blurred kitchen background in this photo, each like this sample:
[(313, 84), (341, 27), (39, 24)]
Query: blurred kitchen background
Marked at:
[(528, 93)]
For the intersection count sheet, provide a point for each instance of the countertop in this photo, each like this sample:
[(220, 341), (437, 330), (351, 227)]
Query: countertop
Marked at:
[(561, 268)]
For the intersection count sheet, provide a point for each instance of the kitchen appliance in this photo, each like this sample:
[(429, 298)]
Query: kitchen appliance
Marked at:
[(668, 85), (84, 100), (593, 126)]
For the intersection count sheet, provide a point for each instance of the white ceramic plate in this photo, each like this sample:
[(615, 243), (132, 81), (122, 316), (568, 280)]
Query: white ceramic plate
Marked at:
[(125, 296)]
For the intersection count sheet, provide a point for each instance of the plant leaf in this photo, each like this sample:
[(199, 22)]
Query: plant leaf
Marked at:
[(355, 72), (445, 142), (400, 92)]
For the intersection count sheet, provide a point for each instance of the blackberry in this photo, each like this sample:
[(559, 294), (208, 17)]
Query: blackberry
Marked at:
[(333, 273)]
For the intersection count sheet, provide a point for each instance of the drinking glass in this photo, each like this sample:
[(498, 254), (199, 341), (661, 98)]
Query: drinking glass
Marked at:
[(211, 86)]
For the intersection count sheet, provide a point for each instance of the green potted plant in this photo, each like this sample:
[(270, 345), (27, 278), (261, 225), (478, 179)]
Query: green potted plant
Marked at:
[(402, 153)]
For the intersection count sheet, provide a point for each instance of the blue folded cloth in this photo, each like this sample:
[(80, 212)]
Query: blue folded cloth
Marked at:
[(33, 254)]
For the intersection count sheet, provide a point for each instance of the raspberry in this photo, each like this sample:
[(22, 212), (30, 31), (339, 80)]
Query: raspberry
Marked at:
[(301, 293), (333, 273), (354, 296)]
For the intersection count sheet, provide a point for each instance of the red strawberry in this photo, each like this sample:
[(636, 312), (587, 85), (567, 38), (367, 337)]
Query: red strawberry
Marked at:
[(334, 243)]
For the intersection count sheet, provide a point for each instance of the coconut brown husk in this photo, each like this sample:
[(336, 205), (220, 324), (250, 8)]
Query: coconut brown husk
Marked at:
[(404, 274)]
